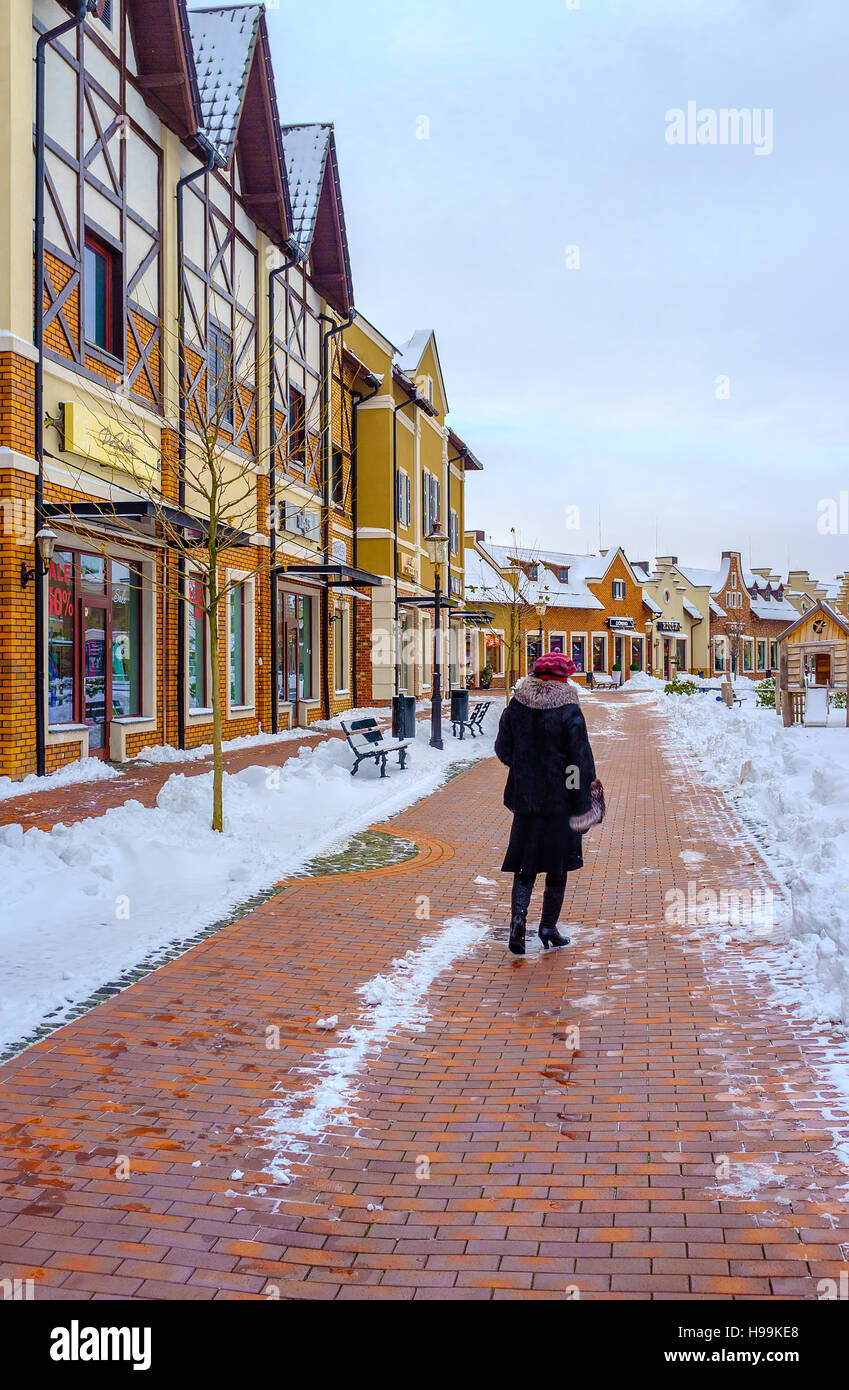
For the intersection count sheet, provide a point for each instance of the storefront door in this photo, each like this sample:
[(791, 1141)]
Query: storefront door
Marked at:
[(666, 658), (96, 674), (295, 675)]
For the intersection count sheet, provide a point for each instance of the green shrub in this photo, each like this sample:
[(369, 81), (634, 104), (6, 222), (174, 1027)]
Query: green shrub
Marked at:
[(679, 687), (838, 699), (766, 693)]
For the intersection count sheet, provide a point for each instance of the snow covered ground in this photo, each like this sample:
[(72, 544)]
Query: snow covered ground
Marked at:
[(84, 770), (790, 787), (85, 902)]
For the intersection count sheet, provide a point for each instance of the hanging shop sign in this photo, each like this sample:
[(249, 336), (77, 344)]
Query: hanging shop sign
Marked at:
[(111, 442), (621, 624), (668, 625)]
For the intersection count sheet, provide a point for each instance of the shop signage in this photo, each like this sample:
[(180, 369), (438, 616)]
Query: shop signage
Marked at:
[(303, 521), (108, 441), (60, 589), (621, 624), (668, 625)]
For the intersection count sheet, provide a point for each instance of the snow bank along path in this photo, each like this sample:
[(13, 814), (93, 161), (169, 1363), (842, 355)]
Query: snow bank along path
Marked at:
[(394, 1002), (790, 788), (84, 903)]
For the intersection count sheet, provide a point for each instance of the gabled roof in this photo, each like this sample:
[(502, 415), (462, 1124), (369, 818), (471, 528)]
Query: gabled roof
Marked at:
[(819, 607), (312, 170), (159, 30), (410, 355), (238, 109), (470, 461)]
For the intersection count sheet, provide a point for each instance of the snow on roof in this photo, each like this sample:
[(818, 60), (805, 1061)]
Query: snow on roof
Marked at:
[(572, 594), (700, 579), (716, 610), (411, 353), (305, 152), (650, 603), (223, 44), (693, 610), (774, 610)]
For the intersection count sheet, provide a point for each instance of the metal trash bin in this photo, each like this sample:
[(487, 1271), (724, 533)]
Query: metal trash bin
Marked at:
[(403, 716), (459, 706)]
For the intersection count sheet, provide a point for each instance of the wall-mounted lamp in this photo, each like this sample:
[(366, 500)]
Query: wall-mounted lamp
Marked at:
[(45, 540)]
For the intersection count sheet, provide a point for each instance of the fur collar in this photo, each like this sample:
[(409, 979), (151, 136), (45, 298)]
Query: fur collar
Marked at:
[(537, 694)]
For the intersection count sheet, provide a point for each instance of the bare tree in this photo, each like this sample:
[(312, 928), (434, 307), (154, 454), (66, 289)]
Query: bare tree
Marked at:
[(515, 592)]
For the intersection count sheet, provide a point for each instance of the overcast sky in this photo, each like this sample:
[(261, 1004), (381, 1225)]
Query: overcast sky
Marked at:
[(597, 387)]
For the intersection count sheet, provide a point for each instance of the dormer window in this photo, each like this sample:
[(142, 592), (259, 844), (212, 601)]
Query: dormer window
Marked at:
[(563, 574), (533, 571), (619, 588)]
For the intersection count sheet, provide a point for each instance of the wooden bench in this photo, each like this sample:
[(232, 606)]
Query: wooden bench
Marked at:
[(602, 681), (474, 722), (366, 740)]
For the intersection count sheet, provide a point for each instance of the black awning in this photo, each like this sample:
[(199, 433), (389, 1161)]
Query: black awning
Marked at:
[(333, 572), (427, 601), (477, 617), (145, 512)]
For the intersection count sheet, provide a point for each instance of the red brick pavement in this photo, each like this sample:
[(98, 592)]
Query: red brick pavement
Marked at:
[(676, 1147)]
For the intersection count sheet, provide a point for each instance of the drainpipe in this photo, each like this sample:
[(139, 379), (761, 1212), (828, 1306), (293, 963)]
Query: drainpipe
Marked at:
[(181, 435), (295, 256), (44, 40), (355, 469), (395, 410), (327, 448)]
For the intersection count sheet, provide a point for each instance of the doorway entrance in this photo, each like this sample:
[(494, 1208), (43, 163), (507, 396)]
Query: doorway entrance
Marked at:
[(295, 648)]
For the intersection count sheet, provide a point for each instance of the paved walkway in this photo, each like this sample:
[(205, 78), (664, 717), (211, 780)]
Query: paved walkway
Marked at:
[(624, 1119)]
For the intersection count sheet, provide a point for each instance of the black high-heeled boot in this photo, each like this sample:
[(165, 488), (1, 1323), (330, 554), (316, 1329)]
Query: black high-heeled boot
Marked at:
[(552, 903), (523, 887)]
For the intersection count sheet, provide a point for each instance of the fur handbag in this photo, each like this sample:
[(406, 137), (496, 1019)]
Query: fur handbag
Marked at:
[(595, 815)]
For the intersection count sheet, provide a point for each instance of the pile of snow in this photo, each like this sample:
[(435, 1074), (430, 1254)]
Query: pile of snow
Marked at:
[(395, 1001), (83, 903), (84, 770), (791, 788), (642, 681)]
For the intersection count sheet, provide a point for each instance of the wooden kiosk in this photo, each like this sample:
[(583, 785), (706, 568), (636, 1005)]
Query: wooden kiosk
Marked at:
[(812, 651)]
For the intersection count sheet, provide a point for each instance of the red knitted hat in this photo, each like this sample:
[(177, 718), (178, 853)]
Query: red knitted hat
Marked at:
[(554, 667)]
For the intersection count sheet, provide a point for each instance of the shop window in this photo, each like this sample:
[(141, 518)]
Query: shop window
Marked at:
[(534, 650), (494, 653), (237, 644), (198, 642), (103, 294), (719, 657), (61, 682), (680, 655), (747, 656), (219, 391), (297, 426), (579, 652), (557, 644), (126, 640), (599, 654), (762, 656), (773, 655)]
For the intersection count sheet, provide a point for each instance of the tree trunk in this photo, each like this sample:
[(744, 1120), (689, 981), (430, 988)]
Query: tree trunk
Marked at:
[(217, 751)]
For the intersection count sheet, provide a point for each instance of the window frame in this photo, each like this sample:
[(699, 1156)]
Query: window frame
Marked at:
[(216, 337), (111, 255)]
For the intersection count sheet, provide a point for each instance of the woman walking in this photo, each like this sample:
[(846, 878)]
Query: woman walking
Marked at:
[(551, 789)]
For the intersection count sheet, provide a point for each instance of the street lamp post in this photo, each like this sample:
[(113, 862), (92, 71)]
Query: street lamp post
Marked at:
[(436, 545), (649, 653), (542, 609)]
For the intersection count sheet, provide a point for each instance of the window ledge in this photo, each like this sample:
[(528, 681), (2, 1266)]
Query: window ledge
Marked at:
[(103, 356), (128, 719), (201, 710), (66, 728), (241, 709)]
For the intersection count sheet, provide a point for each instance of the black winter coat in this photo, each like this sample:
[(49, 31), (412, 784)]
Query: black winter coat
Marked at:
[(542, 739)]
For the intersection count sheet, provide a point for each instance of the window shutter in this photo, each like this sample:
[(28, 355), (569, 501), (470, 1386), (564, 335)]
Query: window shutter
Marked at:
[(425, 504), (408, 499)]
